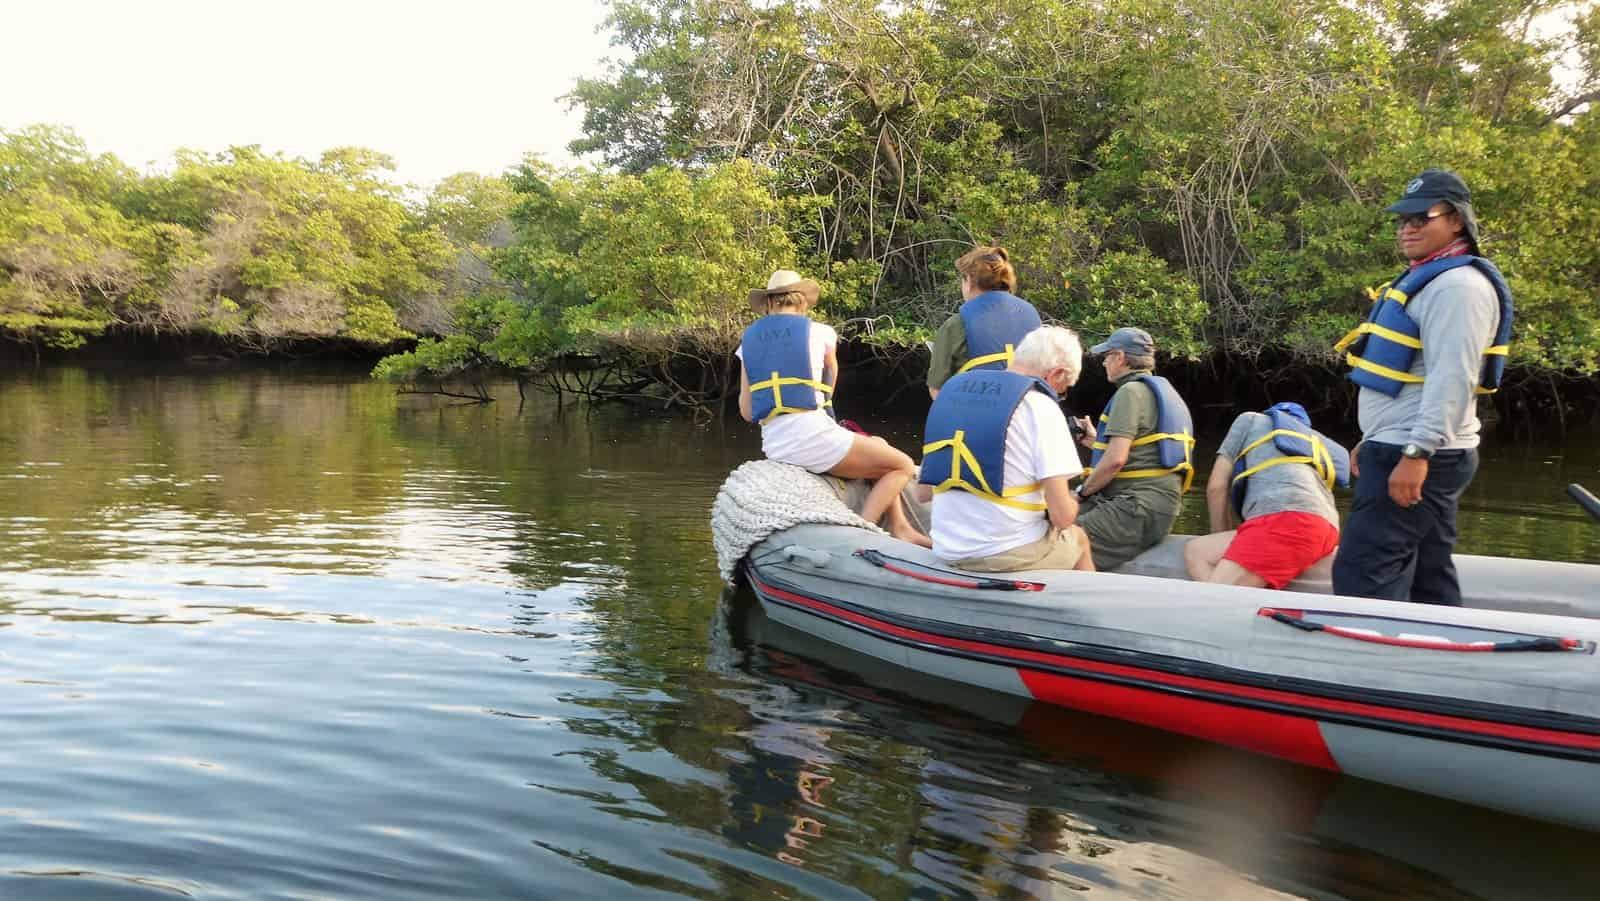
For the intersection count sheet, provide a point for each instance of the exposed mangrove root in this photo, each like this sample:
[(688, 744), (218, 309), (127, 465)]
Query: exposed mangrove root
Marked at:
[(480, 393)]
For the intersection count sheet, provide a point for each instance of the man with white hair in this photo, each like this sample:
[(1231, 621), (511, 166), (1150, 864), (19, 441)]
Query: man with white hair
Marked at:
[(999, 457)]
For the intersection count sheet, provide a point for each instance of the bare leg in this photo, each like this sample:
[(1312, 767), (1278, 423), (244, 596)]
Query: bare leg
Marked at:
[(1201, 555), (900, 525), (1231, 573), (874, 458)]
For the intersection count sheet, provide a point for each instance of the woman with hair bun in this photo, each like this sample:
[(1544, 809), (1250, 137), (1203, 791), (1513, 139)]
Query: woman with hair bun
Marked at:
[(992, 320)]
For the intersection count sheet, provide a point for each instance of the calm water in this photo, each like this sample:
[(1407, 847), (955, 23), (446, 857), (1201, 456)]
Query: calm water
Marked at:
[(274, 635)]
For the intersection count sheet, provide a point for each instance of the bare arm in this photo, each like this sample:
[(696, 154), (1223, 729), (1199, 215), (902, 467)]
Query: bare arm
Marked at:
[(1058, 498), (1111, 463), (744, 394), (933, 393), (1218, 487), (830, 368)]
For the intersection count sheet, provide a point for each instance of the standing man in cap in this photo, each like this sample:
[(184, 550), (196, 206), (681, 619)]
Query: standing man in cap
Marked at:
[(1140, 462), (1435, 338)]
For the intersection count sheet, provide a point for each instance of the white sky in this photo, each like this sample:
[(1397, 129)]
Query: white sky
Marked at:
[(440, 86)]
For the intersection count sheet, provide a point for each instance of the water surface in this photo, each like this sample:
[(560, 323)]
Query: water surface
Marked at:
[(270, 634)]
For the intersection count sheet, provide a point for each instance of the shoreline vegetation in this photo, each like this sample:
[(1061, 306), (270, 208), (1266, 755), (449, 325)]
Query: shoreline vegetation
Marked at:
[(1213, 172)]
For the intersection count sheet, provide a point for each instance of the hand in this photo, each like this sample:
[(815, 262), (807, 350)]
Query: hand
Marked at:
[(1086, 430), (1405, 482), (1355, 461)]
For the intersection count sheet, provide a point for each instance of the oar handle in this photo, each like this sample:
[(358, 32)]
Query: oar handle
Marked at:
[(1585, 500)]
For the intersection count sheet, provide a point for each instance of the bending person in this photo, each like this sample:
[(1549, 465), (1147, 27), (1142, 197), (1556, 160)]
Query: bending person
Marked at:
[(1275, 473), (790, 367), (1000, 460), (991, 323)]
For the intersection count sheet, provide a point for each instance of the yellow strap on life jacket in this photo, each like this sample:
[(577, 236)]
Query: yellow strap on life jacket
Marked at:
[(1003, 356), (1320, 460), (1496, 350), (1384, 371), (1372, 328), (775, 385), (1365, 328), (1186, 468), (961, 454), (1349, 339)]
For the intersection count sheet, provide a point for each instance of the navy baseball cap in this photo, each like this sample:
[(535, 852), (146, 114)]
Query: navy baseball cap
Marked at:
[(1432, 186), (1128, 340), (1427, 189)]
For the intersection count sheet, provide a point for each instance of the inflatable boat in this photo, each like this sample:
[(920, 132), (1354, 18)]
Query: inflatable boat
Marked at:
[(1496, 703)]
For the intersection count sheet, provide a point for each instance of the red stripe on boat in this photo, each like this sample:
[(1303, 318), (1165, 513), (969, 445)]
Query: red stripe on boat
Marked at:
[(1176, 681), (1276, 734)]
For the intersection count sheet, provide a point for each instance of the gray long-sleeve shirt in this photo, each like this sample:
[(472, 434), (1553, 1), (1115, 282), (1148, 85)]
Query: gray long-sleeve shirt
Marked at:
[(1458, 314)]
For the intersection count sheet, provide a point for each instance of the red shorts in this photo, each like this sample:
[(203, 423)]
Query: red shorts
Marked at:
[(1280, 546)]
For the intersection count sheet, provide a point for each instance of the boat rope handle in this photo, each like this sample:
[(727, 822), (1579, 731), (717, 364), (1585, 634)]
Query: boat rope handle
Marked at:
[(944, 576), (1296, 618)]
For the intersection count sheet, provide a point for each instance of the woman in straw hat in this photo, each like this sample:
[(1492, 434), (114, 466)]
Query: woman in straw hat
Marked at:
[(789, 370)]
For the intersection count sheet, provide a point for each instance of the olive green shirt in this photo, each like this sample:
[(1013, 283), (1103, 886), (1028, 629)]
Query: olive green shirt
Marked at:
[(1128, 516), (1134, 415), (949, 351)]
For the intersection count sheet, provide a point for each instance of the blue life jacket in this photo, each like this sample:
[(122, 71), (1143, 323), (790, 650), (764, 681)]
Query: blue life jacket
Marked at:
[(964, 442), (995, 323), (1295, 442), (1382, 349), (777, 353), (1173, 437)]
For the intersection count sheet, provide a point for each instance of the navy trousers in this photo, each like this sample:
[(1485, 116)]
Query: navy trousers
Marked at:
[(1403, 553)]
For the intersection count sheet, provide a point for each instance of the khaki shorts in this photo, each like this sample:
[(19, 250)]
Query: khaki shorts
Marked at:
[(1056, 550)]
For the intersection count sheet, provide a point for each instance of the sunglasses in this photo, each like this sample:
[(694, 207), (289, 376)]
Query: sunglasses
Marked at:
[(1417, 220)]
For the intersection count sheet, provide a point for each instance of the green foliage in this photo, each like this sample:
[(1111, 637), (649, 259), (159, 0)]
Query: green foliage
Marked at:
[(68, 255), (668, 253), (1212, 170), (245, 244)]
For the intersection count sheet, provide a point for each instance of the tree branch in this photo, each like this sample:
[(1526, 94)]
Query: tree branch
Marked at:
[(1568, 108)]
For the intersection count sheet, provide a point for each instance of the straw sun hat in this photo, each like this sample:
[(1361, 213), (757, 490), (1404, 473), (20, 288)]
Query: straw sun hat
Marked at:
[(782, 282)]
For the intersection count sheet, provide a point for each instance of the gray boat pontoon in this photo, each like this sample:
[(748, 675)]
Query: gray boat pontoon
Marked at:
[(1496, 703)]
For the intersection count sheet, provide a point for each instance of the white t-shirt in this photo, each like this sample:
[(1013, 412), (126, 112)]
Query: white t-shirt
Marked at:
[(812, 439), (1038, 447)]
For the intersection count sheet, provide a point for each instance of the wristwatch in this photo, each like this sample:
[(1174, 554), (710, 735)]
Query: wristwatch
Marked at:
[(1414, 452)]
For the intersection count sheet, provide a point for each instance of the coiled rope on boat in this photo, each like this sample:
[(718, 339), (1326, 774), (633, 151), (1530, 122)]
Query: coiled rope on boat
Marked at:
[(762, 497)]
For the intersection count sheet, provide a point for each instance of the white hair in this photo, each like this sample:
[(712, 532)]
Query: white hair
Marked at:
[(1050, 347)]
